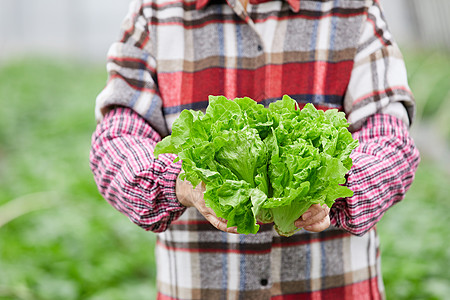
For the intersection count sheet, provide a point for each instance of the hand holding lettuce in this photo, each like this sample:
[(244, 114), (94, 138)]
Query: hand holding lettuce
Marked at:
[(263, 164)]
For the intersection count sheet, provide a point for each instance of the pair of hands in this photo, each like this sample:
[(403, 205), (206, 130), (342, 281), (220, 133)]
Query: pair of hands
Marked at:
[(315, 219)]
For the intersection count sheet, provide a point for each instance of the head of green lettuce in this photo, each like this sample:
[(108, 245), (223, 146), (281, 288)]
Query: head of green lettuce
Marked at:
[(263, 164)]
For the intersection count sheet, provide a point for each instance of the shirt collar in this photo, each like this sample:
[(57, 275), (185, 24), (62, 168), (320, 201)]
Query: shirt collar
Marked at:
[(294, 4)]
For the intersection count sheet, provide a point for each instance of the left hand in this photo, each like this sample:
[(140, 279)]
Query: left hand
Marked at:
[(315, 219), (190, 197)]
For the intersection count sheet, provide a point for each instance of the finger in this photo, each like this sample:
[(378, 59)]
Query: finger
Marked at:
[(219, 223), (232, 230), (312, 210), (229, 229), (315, 214), (215, 221), (319, 226), (209, 214)]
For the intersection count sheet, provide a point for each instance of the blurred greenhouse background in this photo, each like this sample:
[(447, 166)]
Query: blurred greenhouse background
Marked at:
[(60, 240)]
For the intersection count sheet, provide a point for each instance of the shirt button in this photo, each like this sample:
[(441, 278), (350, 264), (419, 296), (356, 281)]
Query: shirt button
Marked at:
[(264, 282), (260, 48)]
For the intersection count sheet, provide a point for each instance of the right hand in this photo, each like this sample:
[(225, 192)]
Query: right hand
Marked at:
[(315, 219), (190, 197)]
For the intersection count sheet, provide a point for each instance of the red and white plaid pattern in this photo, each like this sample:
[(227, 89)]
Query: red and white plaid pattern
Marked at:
[(383, 170), (335, 54)]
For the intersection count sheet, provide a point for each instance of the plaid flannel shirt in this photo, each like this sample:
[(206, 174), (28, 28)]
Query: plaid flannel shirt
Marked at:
[(335, 54)]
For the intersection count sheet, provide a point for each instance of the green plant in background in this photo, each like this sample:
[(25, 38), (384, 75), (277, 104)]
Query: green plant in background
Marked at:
[(60, 240), (414, 238), (414, 233), (429, 78)]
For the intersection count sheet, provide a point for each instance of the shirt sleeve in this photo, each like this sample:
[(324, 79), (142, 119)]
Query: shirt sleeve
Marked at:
[(131, 66), (380, 108), (378, 82), (127, 174), (383, 169)]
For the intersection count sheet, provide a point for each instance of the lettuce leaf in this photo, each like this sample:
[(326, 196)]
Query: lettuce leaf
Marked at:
[(263, 164)]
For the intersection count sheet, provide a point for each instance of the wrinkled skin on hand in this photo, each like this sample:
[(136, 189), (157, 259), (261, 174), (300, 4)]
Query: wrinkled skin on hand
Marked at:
[(193, 197), (315, 219)]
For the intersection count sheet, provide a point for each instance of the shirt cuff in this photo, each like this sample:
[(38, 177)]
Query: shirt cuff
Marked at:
[(384, 166), (128, 175)]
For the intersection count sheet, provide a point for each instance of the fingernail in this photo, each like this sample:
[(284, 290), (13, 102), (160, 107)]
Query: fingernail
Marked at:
[(306, 215)]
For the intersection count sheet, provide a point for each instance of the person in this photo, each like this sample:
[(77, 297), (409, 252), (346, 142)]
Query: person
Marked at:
[(171, 55)]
